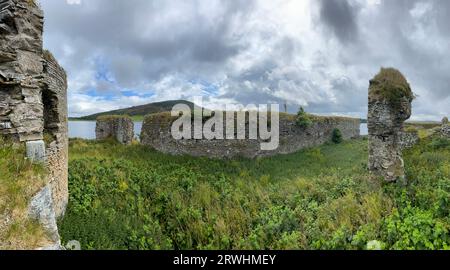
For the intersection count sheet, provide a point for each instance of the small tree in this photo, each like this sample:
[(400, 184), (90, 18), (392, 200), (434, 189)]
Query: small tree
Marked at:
[(337, 136), (303, 119)]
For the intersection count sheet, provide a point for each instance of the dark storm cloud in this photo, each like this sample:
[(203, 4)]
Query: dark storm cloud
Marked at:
[(418, 42), (145, 31), (340, 17)]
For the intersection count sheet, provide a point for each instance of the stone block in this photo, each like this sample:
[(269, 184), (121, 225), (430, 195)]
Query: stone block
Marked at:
[(41, 209), (36, 151)]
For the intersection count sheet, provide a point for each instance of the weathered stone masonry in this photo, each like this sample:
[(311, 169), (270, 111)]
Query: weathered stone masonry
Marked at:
[(390, 98), (445, 128), (408, 139), (33, 103), (156, 132), (121, 128), (56, 130)]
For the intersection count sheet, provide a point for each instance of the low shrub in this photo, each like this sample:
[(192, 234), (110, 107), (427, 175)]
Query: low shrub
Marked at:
[(337, 136), (440, 142), (303, 119)]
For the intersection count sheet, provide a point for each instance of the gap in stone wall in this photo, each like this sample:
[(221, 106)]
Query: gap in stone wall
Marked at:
[(51, 115)]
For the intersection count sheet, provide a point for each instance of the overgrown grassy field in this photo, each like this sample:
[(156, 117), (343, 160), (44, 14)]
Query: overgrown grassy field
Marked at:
[(132, 197), (19, 181)]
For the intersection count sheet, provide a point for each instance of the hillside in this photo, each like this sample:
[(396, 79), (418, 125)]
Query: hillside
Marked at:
[(138, 112)]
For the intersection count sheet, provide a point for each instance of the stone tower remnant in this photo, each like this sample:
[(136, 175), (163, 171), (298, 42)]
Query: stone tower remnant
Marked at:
[(33, 101), (390, 98), (445, 129), (445, 121), (121, 128)]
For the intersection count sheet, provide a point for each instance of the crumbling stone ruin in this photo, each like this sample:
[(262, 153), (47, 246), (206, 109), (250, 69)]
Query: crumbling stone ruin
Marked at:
[(121, 128), (33, 104), (445, 128), (390, 98), (156, 133), (408, 139)]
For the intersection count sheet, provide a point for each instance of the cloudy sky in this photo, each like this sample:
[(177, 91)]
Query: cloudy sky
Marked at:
[(320, 54)]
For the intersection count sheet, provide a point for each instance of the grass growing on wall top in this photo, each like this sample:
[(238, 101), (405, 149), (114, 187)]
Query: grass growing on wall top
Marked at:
[(48, 55), (390, 84), (112, 117), (131, 197), (167, 118), (19, 181)]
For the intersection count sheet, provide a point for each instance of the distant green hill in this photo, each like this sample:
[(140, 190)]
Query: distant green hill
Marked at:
[(138, 112)]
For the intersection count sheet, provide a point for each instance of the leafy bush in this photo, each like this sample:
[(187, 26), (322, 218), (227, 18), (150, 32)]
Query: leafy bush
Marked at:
[(440, 142), (413, 228), (336, 137), (303, 119)]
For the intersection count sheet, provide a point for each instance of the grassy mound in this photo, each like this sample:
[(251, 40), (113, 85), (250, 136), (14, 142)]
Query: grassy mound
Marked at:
[(131, 197), (391, 85)]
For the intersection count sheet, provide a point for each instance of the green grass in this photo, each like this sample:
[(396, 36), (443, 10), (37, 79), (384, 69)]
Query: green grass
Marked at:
[(131, 197), (390, 84), (19, 181), (422, 124), (112, 117), (424, 128)]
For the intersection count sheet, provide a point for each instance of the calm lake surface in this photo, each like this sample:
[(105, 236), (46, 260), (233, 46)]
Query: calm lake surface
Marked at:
[(86, 129), (364, 130)]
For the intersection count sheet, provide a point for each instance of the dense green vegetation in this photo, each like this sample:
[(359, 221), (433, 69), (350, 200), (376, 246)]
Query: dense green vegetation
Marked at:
[(321, 198), (336, 136)]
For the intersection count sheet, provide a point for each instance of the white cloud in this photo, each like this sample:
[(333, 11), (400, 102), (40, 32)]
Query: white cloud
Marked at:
[(73, 2)]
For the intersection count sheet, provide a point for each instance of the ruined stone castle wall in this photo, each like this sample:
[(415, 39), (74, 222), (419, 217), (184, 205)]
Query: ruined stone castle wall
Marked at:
[(121, 128), (21, 69), (390, 98), (445, 128), (56, 130), (156, 133), (33, 103), (408, 139)]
